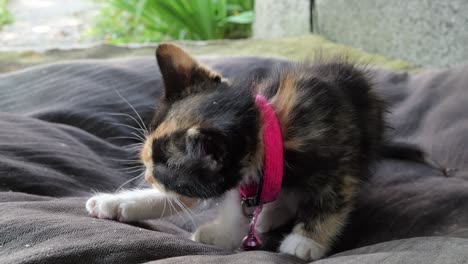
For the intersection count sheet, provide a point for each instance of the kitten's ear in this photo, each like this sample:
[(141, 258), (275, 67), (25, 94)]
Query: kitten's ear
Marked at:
[(180, 71)]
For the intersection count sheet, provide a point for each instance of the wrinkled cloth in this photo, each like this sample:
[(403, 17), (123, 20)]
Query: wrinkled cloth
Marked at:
[(65, 133)]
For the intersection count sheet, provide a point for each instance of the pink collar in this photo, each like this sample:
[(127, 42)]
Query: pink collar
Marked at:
[(252, 195)]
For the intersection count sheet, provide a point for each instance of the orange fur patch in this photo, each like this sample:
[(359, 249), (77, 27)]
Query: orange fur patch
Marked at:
[(285, 100), (165, 128), (146, 156), (348, 190), (294, 143), (146, 152), (187, 201), (326, 228), (207, 72), (284, 103)]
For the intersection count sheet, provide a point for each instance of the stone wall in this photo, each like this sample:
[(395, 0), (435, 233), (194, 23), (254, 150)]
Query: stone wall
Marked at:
[(425, 32), (281, 18)]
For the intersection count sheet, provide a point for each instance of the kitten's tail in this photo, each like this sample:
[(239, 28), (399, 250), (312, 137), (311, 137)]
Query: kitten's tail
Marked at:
[(410, 152)]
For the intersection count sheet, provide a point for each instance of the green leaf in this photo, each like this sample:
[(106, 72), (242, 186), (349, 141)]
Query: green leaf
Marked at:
[(149, 20), (246, 17)]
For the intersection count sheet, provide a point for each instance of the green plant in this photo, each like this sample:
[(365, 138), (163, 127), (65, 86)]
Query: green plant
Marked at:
[(5, 15), (124, 21)]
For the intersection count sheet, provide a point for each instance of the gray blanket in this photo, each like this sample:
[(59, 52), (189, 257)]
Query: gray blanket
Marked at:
[(65, 132)]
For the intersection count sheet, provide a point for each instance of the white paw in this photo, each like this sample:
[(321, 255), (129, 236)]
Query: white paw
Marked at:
[(302, 247), (108, 206), (215, 234)]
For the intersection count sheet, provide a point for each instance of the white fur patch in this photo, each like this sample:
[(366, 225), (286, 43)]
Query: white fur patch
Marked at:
[(129, 205), (302, 247), (228, 230), (193, 131)]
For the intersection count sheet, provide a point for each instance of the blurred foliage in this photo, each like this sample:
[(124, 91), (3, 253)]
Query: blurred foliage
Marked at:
[(5, 15), (140, 21)]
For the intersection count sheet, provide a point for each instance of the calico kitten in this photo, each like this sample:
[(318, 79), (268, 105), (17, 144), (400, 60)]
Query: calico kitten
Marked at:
[(206, 140)]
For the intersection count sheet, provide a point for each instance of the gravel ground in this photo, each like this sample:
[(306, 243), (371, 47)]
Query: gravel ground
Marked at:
[(46, 24)]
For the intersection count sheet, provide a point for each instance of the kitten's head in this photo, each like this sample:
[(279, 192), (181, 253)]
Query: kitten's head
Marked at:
[(204, 131)]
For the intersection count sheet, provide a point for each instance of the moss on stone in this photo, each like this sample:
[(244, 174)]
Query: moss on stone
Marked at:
[(293, 48)]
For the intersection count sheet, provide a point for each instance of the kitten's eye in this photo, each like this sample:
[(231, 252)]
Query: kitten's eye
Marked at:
[(159, 153)]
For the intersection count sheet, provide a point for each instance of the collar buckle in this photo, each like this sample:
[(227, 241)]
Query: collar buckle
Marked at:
[(248, 205)]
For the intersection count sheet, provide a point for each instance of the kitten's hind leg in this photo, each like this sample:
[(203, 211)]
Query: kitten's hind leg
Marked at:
[(310, 240), (130, 205), (320, 221)]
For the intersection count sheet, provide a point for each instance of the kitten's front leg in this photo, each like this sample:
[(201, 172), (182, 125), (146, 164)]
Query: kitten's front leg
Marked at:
[(128, 206), (230, 227)]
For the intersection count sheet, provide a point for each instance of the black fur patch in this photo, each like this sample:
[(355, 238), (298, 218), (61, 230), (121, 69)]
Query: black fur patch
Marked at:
[(332, 127)]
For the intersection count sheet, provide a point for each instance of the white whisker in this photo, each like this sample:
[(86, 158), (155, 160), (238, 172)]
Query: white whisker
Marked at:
[(172, 206), (134, 145), (126, 182), (164, 208), (131, 168), (186, 210), (133, 171), (128, 162), (138, 136), (123, 137), (123, 114), (134, 110), (129, 126), (143, 181)]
